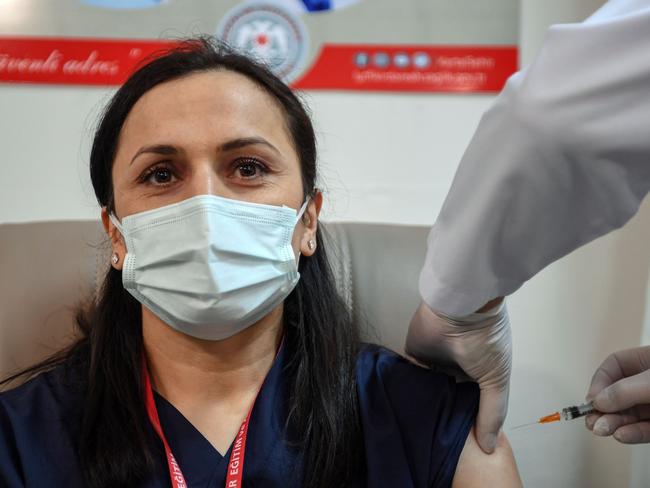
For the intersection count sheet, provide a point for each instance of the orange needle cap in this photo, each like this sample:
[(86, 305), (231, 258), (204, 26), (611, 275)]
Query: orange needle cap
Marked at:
[(554, 417)]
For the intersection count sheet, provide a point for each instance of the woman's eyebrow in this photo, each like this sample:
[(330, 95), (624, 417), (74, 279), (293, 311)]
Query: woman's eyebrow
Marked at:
[(155, 149), (226, 146), (246, 141)]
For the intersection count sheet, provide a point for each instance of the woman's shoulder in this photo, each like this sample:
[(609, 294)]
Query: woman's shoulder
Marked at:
[(57, 387), (379, 362), (413, 417), (381, 369), (49, 401), (39, 422), (387, 360)]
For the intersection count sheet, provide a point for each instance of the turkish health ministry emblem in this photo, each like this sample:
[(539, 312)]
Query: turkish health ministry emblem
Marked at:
[(268, 32)]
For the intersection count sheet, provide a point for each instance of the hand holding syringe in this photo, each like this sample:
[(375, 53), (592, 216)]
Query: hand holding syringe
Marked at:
[(620, 390), (568, 413)]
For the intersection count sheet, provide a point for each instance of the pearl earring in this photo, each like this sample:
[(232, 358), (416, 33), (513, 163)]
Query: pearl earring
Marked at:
[(115, 258), (311, 244)]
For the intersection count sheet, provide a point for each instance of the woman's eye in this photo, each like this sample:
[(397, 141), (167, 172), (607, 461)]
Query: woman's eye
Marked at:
[(159, 176), (249, 169)]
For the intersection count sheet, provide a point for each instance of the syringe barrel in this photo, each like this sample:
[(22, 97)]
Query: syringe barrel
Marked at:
[(570, 413)]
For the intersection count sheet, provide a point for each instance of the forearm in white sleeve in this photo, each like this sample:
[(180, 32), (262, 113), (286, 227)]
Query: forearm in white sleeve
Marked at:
[(561, 158)]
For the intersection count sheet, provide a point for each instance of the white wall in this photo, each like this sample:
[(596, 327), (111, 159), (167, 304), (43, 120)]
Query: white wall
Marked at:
[(391, 158)]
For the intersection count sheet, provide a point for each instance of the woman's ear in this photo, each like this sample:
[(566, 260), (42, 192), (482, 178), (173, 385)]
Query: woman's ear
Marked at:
[(309, 220), (118, 248)]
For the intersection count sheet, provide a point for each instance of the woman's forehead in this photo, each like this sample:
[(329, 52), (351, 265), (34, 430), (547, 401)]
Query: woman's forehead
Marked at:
[(211, 105)]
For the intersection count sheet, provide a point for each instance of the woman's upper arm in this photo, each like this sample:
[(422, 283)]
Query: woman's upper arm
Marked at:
[(476, 469)]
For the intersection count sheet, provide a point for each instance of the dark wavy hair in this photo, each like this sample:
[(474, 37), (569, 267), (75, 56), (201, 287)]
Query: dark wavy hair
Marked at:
[(321, 338)]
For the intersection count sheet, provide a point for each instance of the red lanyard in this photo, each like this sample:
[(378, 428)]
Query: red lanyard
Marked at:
[(236, 463)]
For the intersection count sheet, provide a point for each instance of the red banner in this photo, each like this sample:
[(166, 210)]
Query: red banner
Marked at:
[(78, 61), (73, 61)]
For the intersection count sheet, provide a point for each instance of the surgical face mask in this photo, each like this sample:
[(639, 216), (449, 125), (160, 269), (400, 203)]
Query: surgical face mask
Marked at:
[(210, 266)]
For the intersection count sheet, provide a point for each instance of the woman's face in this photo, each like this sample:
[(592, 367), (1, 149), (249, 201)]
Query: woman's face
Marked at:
[(209, 133)]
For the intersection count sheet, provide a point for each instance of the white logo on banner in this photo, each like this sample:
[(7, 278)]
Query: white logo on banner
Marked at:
[(268, 32)]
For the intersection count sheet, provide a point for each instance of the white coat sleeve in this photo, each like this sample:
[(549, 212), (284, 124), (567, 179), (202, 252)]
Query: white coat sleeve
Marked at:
[(561, 158)]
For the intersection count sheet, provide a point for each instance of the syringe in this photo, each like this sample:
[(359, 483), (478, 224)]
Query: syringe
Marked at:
[(568, 413)]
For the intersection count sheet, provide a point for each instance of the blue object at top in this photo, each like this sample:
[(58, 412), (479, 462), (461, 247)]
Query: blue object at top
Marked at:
[(317, 5)]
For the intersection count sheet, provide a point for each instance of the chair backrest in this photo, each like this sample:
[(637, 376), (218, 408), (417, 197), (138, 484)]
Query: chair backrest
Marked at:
[(47, 269)]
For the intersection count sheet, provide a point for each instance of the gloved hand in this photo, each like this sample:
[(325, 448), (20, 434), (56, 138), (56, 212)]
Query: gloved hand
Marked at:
[(479, 347), (620, 390)]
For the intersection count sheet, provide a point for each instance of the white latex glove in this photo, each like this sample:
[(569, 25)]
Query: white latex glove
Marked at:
[(620, 390), (478, 347)]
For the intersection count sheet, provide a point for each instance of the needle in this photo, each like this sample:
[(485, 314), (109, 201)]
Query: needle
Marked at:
[(523, 425), (554, 417)]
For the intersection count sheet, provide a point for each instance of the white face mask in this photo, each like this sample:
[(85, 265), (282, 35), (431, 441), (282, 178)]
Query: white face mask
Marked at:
[(210, 266)]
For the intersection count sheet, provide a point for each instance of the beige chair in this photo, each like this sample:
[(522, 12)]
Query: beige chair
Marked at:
[(46, 269)]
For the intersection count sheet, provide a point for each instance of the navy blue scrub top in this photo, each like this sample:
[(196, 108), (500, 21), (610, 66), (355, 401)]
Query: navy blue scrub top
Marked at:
[(414, 421)]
